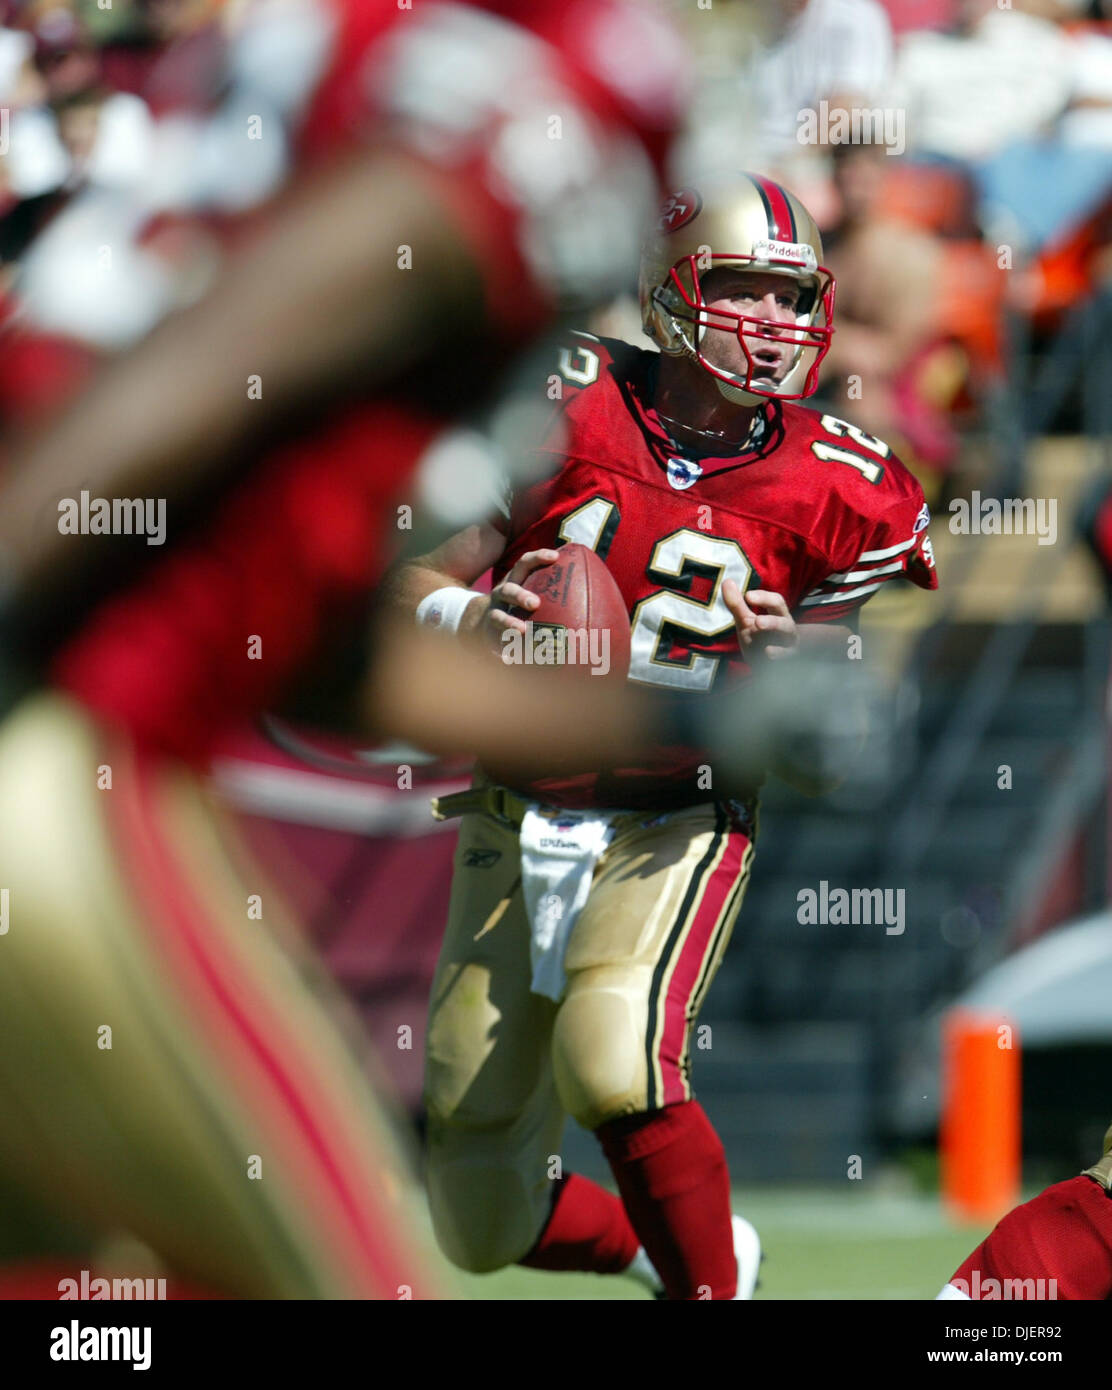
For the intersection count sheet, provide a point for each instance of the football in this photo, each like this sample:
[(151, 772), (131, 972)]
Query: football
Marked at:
[(582, 619)]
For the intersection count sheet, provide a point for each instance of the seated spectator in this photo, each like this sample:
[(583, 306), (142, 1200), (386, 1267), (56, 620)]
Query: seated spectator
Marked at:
[(837, 51), (175, 57), (918, 312), (761, 106), (997, 77), (906, 15)]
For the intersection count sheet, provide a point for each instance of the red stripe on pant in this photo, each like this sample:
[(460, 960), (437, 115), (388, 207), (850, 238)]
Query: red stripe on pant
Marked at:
[(252, 1039), (693, 954)]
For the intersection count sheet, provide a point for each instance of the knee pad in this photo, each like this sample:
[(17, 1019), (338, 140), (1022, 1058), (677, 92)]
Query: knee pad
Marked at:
[(487, 1210), (1102, 1172), (598, 1053)]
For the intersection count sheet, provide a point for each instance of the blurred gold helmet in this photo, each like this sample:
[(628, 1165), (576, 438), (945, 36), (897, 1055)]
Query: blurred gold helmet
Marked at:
[(753, 224)]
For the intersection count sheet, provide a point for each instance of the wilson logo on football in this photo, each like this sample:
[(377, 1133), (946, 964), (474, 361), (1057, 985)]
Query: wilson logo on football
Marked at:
[(679, 210), (555, 582)]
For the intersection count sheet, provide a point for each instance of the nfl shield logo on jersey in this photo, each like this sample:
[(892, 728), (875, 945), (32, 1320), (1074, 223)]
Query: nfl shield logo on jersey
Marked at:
[(562, 819), (682, 473)]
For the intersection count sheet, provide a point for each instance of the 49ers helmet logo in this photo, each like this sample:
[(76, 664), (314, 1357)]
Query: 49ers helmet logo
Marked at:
[(678, 211), (749, 225)]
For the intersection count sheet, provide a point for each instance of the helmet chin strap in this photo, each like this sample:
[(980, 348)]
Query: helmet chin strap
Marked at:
[(689, 347), (736, 396)]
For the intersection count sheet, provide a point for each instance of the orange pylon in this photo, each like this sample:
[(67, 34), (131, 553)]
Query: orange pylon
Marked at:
[(980, 1132)]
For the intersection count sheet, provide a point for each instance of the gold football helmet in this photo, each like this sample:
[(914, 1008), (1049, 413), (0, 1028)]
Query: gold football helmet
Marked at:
[(754, 224)]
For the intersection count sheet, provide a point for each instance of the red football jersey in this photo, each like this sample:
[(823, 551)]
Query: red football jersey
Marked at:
[(813, 509), (541, 143), (538, 146)]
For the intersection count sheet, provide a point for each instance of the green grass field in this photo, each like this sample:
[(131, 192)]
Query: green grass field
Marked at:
[(818, 1245)]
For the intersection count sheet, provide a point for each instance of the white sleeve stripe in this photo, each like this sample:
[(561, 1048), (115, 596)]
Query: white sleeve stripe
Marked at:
[(886, 554), (852, 575), (840, 597), (874, 570)]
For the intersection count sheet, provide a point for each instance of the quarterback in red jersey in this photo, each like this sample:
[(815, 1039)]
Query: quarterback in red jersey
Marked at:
[(589, 914)]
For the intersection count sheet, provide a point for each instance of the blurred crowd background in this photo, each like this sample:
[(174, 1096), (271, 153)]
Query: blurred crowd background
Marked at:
[(140, 142)]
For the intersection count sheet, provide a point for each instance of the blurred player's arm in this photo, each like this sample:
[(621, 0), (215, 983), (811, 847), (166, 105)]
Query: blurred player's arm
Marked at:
[(820, 756), (453, 698), (456, 564), (548, 721), (315, 306)]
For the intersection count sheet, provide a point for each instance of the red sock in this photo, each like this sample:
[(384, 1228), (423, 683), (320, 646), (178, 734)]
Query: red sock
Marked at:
[(671, 1171), (588, 1229), (1064, 1234)]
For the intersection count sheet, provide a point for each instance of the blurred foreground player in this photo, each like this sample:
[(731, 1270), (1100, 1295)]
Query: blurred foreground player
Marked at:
[(170, 1074), (1057, 1245), (590, 913)]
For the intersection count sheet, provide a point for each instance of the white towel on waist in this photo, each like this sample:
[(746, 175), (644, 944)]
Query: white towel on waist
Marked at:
[(559, 851)]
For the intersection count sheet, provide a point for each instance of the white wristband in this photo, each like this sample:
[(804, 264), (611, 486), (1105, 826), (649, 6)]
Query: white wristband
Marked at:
[(444, 608)]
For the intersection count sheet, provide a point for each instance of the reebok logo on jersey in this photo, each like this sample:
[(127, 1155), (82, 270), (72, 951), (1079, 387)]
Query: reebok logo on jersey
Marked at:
[(682, 473)]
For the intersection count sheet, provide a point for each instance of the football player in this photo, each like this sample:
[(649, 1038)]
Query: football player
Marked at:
[(1057, 1245), (221, 1117), (590, 913)]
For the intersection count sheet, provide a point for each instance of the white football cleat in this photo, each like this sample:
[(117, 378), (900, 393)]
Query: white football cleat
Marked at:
[(747, 1252), (643, 1270)]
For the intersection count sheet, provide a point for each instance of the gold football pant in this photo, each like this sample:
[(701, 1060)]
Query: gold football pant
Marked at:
[(1102, 1171), (505, 1066), (172, 1064)]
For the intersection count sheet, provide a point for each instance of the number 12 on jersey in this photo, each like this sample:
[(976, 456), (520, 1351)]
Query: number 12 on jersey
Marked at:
[(670, 617)]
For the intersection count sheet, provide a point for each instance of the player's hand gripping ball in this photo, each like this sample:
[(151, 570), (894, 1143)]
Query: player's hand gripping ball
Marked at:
[(579, 621)]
